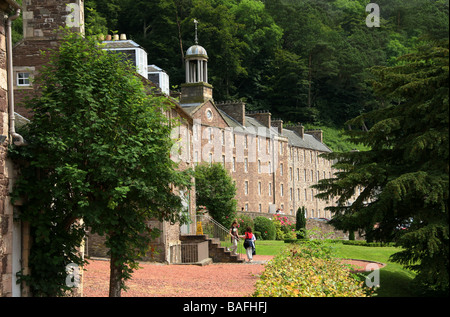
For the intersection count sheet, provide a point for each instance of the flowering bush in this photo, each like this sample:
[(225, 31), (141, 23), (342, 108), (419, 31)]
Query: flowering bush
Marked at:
[(284, 228), (245, 221), (307, 270)]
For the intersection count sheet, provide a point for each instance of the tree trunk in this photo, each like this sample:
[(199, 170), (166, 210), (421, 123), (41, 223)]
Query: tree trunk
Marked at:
[(309, 79), (115, 280), (179, 36)]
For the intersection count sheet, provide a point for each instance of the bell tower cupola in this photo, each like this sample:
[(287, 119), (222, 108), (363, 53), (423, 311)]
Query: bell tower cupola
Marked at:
[(196, 89)]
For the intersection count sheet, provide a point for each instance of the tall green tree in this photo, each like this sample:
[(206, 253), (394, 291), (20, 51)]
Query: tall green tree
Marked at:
[(216, 190), (404, 178), (98, 157)]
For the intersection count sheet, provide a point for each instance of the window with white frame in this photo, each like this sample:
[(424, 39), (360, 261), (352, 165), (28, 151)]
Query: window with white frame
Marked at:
[(246, 187), (23, 79)]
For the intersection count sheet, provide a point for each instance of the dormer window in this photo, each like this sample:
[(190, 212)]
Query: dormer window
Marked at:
[(23, 79)]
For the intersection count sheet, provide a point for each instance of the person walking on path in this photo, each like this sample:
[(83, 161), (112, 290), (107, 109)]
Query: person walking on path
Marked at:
[(234, 237), (249, 243)]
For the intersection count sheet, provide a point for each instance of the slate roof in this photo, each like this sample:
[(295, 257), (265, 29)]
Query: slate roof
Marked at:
[(251, 126), (308, 141)]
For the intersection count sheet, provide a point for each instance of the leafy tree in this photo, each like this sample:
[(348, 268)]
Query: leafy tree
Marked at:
[(98, 157), (404, 177), (215, 189)]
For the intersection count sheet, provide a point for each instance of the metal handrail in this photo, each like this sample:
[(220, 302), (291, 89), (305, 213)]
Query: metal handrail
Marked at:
[(217, 231)]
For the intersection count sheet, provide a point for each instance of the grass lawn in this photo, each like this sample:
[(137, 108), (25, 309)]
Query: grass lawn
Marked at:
[(395, 281)]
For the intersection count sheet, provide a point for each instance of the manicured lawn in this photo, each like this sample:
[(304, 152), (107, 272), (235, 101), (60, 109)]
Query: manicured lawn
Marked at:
[(269, 247), (395, 281)]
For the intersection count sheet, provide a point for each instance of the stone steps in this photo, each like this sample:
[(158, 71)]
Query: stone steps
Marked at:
[(217, 253)]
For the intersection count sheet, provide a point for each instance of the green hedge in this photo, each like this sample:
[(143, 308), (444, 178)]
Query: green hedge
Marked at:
[(364, 243), (265, 227)]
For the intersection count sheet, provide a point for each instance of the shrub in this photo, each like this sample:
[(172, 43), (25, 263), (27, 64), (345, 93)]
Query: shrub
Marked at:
[(266, 227), (300, 223), (245, 221), (284, 228), (307, 270)]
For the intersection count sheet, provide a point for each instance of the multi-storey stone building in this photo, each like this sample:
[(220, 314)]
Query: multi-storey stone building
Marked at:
[(272, 165)]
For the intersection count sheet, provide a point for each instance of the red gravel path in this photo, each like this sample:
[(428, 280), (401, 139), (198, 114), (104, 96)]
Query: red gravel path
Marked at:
[(161, 280)]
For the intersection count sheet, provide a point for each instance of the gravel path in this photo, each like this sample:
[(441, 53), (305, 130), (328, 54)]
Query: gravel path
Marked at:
[(162, 280)]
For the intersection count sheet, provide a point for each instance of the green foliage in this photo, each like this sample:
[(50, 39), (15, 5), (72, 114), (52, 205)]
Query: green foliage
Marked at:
[(300, 223), (366, 244), (266, 227), (245, 221), (305, 61), (284, 228), (307, 270), (215, 190), (404, 176), (92, 163)]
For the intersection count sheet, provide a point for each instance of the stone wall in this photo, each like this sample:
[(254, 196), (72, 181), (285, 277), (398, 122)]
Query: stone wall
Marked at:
[(5, 216)]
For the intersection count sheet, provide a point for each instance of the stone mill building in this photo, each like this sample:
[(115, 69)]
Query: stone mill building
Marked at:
[(273, 165)]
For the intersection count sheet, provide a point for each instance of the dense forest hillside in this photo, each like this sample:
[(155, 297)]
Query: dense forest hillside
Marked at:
[(306, 61)]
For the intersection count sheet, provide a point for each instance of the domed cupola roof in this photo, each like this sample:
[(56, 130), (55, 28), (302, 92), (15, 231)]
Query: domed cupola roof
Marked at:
[(196, 51)]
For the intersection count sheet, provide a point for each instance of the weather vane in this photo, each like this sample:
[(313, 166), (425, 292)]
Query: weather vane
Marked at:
[(196, 38)]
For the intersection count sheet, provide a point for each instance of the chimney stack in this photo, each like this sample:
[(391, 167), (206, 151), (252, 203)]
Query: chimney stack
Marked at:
[(278, 123), (317, 134), (263, 116), (299, 128), (235, 109)]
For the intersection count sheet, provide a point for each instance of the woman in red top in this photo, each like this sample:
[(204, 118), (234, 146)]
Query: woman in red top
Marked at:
[(249, 243)]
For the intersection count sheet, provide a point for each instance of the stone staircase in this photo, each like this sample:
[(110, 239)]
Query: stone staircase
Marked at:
[(217, 253)]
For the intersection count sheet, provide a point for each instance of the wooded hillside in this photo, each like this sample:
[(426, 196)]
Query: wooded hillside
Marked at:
[(304, 60)]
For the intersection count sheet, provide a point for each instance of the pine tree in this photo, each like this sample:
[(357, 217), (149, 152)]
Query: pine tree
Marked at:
[(403, 178)]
